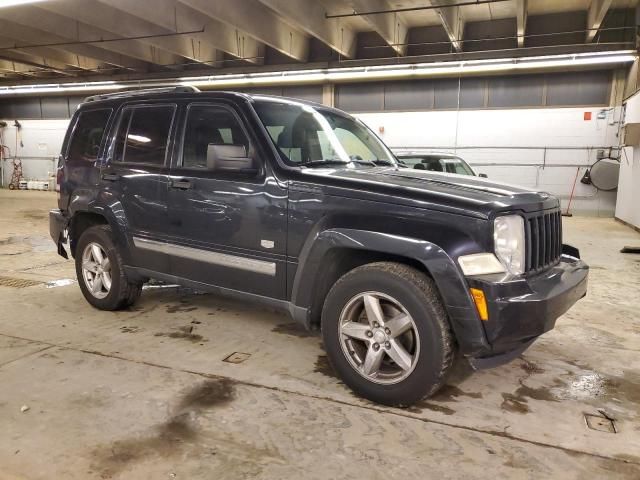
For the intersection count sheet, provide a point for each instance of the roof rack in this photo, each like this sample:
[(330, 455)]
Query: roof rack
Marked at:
[(147, 91)]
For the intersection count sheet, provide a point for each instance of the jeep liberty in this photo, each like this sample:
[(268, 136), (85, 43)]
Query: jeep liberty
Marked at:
[(301, 207)]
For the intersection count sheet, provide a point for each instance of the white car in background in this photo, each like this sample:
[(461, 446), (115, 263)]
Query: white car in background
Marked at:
[(435, 162)]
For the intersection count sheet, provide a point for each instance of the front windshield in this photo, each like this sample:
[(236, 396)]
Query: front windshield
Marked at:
[(437, 163), (305, 135)]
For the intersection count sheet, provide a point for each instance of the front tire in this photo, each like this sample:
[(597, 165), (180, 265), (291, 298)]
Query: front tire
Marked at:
[(100, 272), (387, 334)]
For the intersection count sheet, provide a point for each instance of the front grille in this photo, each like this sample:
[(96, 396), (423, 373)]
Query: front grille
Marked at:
[(543, 233)]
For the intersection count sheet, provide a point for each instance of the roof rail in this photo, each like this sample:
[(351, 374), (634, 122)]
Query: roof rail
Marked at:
[(147, 91)]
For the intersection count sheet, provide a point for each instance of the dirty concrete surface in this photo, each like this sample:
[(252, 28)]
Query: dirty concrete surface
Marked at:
[(147, 393)]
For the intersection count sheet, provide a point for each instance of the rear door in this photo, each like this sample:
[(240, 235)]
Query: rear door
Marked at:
[(229, 228), (136, 178)]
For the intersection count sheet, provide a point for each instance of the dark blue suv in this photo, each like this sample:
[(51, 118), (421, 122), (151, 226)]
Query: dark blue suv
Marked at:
[(300, 206)]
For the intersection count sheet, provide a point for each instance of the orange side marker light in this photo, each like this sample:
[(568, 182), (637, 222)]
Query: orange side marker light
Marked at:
[(481, 303)]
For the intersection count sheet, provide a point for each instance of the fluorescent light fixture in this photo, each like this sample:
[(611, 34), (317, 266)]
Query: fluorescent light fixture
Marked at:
[(62, 88), (13, 3), (380, 72)]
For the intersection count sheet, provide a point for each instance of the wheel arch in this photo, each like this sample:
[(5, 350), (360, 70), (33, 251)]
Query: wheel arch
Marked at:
[(86, 216), (334, 252), (80, 222)]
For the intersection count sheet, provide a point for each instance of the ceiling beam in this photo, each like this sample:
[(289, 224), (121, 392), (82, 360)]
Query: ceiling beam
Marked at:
[(452, 22), (49, 55), (258, 21), (521, 21), (75, 31), (81, 56), (88, 56), (36, 61), (311, 18), (597, 11), (174, 16), (389, 25), (121, 24), (19, 68)]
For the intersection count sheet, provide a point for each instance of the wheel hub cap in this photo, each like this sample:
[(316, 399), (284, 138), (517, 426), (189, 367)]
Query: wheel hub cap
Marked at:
[(379, 336)]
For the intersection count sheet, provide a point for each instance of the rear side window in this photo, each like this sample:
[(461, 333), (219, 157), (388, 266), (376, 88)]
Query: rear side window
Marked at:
[(87, 136), (143, 134), (209, 125)]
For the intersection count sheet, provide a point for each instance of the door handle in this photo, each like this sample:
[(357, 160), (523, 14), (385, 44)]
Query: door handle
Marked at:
[(110, 177), (181, 184)]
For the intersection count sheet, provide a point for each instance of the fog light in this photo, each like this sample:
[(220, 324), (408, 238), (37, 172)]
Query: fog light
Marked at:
[(481, 303)]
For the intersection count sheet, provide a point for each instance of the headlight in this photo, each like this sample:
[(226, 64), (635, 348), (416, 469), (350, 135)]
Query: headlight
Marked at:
[(508, 241)]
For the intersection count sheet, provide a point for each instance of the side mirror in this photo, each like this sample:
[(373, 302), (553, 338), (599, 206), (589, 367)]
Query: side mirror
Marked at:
[(483, 175), (229, 158)]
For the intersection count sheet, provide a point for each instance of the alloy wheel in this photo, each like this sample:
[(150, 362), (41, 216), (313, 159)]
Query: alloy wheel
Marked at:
[(96, 270), (379, 337)]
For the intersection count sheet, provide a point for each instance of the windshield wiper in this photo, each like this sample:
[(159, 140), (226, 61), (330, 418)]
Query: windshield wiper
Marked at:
[(337, 161), (383, 162), (328, 161), (374, 163), (364, 162)]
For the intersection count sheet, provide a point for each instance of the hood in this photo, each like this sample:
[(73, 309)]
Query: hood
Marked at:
[(442, 191)]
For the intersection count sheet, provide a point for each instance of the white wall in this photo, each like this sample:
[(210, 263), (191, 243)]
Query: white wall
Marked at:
[(628, 206), (41, 145), (510, 130)]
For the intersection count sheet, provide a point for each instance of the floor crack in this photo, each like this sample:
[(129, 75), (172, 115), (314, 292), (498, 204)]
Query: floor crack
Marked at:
[(48, 346)]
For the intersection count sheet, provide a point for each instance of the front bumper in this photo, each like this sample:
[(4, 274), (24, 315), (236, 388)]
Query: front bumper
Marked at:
[(58, 230), (523, 308)]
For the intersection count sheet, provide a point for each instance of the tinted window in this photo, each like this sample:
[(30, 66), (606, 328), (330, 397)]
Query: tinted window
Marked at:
[(87, 136), (209, 125), (143, 135)]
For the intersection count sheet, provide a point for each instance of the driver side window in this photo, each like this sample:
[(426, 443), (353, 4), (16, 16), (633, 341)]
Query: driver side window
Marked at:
[(209, 125)]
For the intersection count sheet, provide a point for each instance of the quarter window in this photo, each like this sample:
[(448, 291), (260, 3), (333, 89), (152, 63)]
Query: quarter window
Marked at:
[(143, 135), (87, 136), (209, 125)]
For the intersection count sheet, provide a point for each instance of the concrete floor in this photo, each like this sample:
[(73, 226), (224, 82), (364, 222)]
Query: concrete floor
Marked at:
[(145, 393)]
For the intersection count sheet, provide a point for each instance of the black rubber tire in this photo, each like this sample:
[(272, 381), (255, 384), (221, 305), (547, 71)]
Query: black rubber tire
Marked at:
[(419, 295), (123, 293)]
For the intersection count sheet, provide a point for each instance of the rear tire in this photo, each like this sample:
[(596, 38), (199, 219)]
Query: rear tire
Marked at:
[(100, 272), (404, 351)]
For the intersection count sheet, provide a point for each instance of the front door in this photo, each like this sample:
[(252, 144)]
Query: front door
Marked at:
[(135, 180), (229, 228)]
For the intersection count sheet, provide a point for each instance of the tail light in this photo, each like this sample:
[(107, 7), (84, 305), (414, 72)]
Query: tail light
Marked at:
[(59, 174), (58, 179)]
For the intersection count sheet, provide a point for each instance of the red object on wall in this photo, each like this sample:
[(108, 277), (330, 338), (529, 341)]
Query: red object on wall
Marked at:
[(587, 116)]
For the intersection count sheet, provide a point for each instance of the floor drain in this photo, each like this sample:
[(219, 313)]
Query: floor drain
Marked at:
[(237, 357), (601, 424), (17, 282)]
